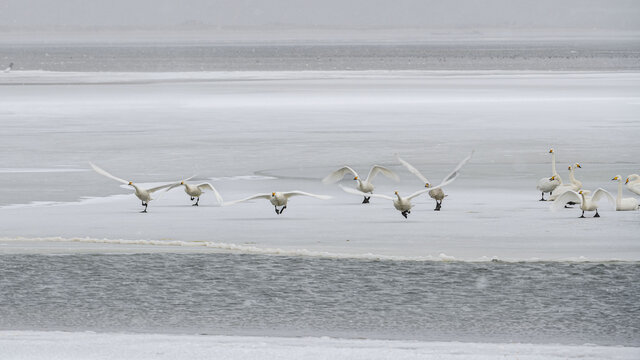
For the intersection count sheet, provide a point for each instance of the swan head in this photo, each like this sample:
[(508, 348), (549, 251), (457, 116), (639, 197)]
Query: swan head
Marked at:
[(580, 192), (569, 168), (273, 194), (617, 177), (552, 178), (427, 185), (551, 151), (627, 181), (355, 178), (130, 183), (181, 182), (578, 166)]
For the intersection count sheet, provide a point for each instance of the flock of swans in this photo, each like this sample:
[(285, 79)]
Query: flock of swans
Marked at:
[(561, 193), (364, 187), (571, 193)]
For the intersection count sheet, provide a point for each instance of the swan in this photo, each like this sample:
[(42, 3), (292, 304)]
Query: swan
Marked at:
[(402, 204), (633, 183), (142, 194), (195, 191), (574, 185), (546, 184), (625, 204), (437, 194), (365, 186), (587, 203), (279, 198), (9, 68)]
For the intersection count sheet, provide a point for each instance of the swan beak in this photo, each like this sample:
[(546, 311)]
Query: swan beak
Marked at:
[(580, 192), (181, 182), (552, 178), (569, 168), (615, 178), (578, 165), (130, 183), (396, 193), (273, 194), (427, 185), (355, 178), (626, 182), (551, 151)]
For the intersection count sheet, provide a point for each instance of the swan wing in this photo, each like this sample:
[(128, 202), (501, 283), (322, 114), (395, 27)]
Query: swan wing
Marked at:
[(357, 192), (338, 174), (377, 169), (420, 192), (154, 189), (104, 173), (566, 197), (178, 183), (207, 185), (601, 193), (412, 170), (256, 196), (302, 193), (454, 174)]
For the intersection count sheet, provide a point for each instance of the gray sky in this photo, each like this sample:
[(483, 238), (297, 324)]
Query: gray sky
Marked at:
[(513, 14)]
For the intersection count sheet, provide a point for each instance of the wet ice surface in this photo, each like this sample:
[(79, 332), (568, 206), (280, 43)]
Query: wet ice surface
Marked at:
[(293, 128), (236, 294)]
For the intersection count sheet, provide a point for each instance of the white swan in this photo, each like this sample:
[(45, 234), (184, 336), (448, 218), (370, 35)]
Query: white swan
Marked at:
[(9, 68), (437, 194), (587, 203), (546, 184), (624, 204), (279, 198), (633, 183), (195, 191), (402, 204), (574, 185), (142, 194), (364, 186)]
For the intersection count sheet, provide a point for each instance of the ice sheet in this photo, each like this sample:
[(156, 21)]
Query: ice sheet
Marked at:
[(294, 128), (87, 345)]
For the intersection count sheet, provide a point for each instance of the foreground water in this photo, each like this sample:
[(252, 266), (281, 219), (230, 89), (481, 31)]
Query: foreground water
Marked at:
[(238, 294)]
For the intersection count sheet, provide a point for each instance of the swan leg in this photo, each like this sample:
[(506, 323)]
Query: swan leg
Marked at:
[(277, 211), (192, 198), (596, 215), (438, 205), (284, 207), (197, 201), (145, 207), (582, 214), (366, 200), (404, 213), (542, 198)]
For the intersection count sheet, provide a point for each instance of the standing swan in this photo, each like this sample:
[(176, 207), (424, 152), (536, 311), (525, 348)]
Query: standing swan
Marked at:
[(9, 68), (364, 186), (587, 203), (279, 198), (546, 184), (436, 194), (633, 183), (142, 194), (195, 191), (574, 185), (625, 204)]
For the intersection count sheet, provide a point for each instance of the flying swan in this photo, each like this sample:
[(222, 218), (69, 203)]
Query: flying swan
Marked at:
[(279, 198), (364, 186), (195, 191), (546, 184), (624, 204), (436, 194), (587, 203), (142, 194)]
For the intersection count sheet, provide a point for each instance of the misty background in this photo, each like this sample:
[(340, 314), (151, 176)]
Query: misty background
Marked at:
[(351, 14)]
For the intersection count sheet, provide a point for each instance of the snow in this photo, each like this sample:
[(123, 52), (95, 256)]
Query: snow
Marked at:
[(257, 132), (87, 345)]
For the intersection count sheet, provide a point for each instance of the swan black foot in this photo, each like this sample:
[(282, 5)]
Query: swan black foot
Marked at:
[(192, 198), (277, 211), (542, 198), (582, 216), (197, 201), (366, 200), (405, 213), (596, 215), (438, 205), (571, 203), (145, 207), (284, 207)]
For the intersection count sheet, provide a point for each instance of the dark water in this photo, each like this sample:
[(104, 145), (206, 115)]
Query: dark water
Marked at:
[(238, 294), (573, 55)]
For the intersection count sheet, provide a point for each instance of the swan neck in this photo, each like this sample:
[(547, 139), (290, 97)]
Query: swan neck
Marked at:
[(619, 196), (553, 164)]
